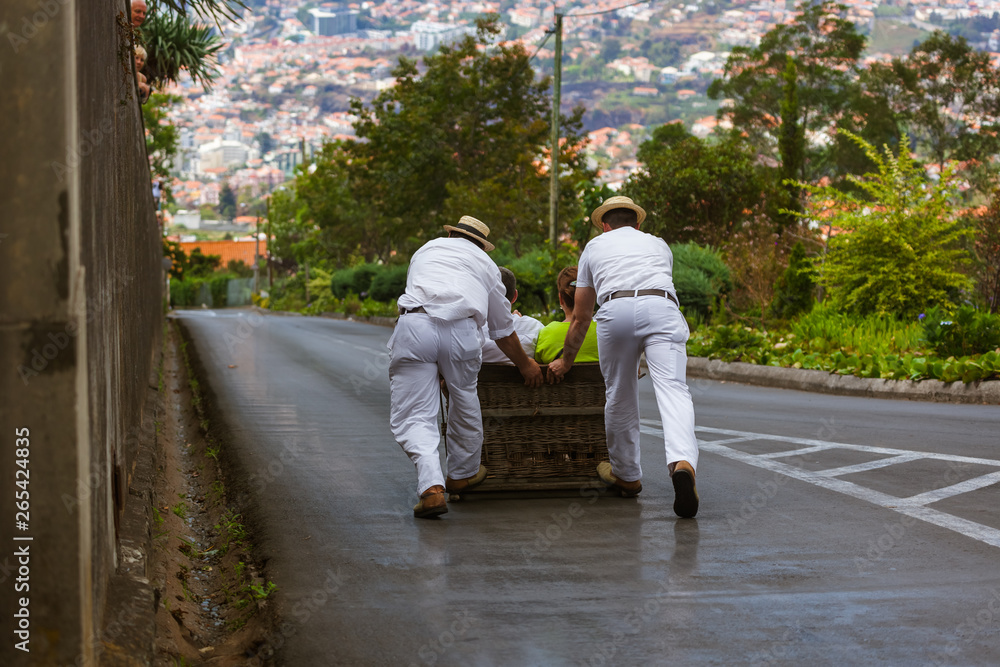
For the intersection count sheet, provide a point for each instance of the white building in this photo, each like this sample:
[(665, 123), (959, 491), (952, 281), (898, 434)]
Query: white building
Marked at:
[(429, 35), (327, 24), (190, 219), (223, 153)]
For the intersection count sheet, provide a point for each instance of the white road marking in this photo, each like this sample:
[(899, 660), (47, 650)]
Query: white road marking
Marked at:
[(870, 465), (914, 506)]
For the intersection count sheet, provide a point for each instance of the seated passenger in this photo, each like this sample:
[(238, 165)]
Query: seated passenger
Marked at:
[(527, 328), (552, 338)]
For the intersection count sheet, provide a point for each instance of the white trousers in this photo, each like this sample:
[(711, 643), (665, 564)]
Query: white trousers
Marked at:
[(625, 329), (421, 348)]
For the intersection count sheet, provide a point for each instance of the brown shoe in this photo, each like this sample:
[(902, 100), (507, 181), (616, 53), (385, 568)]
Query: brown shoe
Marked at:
[(431, 503), (626, 489), (460, 485), (685, 491)]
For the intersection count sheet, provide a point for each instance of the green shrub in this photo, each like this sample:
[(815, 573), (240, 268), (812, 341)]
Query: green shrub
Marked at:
[(967, 331), (212, 289), (341, 282), (823, 329), (389, 283), (355, 280), (361, 279), (793, 294), (700, 277)]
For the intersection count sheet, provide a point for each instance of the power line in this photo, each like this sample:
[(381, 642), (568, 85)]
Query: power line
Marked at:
[(608, 11), (548, 34)]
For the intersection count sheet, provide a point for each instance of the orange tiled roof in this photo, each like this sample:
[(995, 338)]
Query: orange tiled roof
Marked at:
[(228, 250)]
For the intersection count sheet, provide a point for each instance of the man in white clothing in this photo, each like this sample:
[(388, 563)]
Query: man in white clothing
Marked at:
[(630, 274), (453, 290), (527, 328)]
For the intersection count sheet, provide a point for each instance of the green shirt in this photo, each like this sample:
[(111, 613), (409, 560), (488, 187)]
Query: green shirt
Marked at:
[(552, 338)]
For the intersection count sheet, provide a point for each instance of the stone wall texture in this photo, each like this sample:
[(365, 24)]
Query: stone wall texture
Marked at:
[(80, 311)]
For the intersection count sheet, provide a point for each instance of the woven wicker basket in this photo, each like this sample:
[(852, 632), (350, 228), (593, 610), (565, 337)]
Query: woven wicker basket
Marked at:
[(546, 437)]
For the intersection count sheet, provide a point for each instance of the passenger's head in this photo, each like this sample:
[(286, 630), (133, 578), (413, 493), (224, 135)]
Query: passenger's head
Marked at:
[(566, 284), (139, 10), (509, 284)]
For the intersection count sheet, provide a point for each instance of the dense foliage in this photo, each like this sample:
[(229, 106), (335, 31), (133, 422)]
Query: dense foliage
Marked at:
[(903, 251), (696, 190), (174, 42), (466, 134), (700, 277)]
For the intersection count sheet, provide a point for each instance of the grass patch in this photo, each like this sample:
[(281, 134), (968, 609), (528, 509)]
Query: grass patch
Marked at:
[(893, 37)]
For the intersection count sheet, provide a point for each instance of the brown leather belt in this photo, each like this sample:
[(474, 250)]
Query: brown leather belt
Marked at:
[(418, 309), (623, 294)]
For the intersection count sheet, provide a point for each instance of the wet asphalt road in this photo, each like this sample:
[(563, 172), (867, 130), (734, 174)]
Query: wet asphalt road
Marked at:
[(876, 541)]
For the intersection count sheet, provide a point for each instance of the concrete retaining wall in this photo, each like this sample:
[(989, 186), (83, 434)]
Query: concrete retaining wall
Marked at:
[(80, 310)]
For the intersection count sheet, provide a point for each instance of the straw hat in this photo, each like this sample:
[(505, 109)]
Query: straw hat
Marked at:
[(611, 203), (474, 229)]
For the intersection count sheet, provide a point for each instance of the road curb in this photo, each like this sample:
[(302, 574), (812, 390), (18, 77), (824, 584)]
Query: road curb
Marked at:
[(801, 379), (987, 393)]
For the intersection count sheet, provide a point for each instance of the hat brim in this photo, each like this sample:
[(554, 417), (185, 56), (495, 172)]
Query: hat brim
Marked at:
[(597, 217), (487, 246)]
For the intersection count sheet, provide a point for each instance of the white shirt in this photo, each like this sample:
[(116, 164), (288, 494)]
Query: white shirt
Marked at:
[(527, 329), (453, 279), (625, 259)]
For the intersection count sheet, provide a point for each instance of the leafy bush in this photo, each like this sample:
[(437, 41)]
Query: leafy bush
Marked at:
[(793, 295), (355, 280), (211, 289), (824, 329), (968, 331), (341, 282), (904, 248), (389, 283), (871, 347), (700, 277), (361, 280)]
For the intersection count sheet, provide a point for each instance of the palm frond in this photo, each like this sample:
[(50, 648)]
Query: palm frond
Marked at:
[(213, 9), (173, 43)]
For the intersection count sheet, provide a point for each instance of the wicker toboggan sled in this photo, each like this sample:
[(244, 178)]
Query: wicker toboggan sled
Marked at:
[(548, 437)]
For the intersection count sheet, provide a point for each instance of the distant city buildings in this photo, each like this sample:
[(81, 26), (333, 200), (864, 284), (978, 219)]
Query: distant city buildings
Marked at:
[(284, 87), (430, 35), (340, 22), (221, 153)]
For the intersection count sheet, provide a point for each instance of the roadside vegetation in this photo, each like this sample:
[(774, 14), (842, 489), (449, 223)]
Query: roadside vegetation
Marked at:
[(843, 216)]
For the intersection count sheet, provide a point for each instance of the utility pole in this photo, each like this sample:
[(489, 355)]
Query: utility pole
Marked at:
[(256, 257), (554, 158)]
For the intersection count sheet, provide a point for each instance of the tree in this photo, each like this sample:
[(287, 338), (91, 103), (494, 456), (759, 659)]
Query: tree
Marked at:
[(216, 9), (826, 48), (793, 294), (173, 43), (200, 265), (694, 190), (227, 201), (791, 141), (951, 88), (266, 142), (610, 50), (663, 139), (987, 250), (901, 252), (161, 135), (877, 112), (468, 135)]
